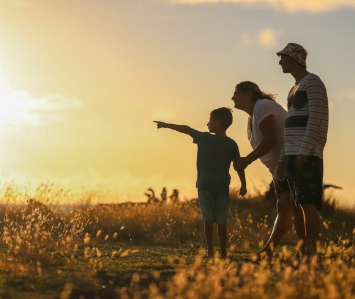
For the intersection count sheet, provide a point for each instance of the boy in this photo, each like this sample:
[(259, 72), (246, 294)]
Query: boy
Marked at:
[(214, 156)]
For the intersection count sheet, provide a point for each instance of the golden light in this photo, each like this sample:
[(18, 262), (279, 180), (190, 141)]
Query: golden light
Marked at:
[(4, 81)]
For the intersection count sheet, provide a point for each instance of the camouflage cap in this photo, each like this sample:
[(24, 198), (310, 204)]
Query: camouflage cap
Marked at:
[(296, 51)]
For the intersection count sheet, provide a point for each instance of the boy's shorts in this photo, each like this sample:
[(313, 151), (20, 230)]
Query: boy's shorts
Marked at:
[(214, 206), (306, 184)]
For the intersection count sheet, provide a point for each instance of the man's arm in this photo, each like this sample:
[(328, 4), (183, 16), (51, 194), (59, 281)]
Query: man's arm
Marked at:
[(315, 90), (180, 128), (269, 131)]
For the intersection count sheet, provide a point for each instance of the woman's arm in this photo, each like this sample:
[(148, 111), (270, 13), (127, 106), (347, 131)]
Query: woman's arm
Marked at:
[(269, 131)]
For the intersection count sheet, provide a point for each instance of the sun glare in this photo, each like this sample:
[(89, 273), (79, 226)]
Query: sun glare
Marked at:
[(11, 110), (5, 85)]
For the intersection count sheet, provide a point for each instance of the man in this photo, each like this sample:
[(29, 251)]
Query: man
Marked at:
[(305, 136)]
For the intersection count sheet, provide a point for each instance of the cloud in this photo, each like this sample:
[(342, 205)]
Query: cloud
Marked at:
[(20, 108), (337, 98), (267, 38), (350, 95), (315, 6)]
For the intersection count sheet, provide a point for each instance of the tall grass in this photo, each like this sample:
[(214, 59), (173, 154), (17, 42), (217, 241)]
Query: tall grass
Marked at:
[(34, 229)]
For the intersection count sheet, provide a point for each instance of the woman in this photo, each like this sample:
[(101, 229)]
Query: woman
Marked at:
[(265, 132)]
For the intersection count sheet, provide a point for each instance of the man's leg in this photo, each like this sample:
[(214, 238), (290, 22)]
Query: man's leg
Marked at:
[(281, 224), (313, 224), (209, 237), (222, 236)]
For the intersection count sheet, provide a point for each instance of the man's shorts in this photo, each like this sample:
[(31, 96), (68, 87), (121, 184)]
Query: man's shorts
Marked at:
[(306, 184), (214, 206), (284, 185)]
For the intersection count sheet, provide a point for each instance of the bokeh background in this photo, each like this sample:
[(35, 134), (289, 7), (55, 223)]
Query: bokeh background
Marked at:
[(82, 80)]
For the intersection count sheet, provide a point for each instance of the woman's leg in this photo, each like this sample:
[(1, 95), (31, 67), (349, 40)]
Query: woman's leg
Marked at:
[(281, 224)]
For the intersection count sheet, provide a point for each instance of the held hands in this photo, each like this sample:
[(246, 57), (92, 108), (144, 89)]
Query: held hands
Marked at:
[(160, 124), (240, 164), (243, 190)]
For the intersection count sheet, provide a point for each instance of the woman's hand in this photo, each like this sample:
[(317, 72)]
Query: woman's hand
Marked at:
[(280, 170), (277, 187)]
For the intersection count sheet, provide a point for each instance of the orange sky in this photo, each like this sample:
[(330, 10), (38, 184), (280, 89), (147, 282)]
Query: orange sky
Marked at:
[(81, 82)]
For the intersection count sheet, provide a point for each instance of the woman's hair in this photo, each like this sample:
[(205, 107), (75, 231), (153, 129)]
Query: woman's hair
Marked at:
[(247, 86)]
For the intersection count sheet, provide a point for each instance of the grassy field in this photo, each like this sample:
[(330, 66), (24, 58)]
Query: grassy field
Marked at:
[(156, 251)]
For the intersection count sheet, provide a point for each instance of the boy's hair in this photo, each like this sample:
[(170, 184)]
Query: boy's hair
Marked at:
[(224, 115)]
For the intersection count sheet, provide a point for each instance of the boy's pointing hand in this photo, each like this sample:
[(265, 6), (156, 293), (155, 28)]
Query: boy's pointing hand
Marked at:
[(160, 124)]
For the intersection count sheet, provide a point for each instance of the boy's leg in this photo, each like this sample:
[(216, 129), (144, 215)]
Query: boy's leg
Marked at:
[(205, 200), (222, 236), (221, 203), (209, 237), (313, 224)]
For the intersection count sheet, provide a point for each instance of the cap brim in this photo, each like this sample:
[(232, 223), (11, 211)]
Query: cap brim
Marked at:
[(288, 54), (282, 52)]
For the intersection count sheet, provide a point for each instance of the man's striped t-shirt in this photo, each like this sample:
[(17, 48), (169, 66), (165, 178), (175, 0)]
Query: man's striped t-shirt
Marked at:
[(307, 120)]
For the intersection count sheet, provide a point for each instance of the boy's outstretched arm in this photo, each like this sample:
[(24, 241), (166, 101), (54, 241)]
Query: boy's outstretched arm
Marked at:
[(180, 128)]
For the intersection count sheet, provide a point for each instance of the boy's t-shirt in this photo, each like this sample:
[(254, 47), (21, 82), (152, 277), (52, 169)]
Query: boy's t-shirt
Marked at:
[(214, 156)]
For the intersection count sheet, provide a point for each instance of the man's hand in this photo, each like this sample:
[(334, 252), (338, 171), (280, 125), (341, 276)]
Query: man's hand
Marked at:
[(301, 160), (240, 164), (243, 190), (160, 124), (280, 169)]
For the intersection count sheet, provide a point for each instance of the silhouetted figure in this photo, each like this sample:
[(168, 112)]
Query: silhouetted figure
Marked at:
[(151, 196), (163, 195), (174, 198)]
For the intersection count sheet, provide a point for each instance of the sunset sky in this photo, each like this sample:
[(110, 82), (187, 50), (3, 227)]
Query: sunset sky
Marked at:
[(81, 82)]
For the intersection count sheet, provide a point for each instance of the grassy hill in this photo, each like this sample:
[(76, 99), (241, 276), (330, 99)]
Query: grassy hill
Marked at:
[(154, 250)]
